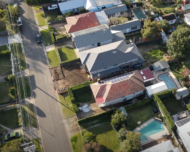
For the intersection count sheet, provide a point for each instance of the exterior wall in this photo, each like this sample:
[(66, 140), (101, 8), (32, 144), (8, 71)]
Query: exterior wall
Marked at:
[(180, 97), (128, 30), (76, 10), (122, 99), (106, 42), (172, 21), (106, 6)]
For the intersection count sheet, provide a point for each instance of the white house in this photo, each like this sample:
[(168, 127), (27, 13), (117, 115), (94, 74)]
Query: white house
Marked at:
[(156, 88), (187, 18), (181, 93)]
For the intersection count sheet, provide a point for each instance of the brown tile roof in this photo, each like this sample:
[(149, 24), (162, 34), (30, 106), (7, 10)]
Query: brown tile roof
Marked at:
[(81, 22), (112, 89)]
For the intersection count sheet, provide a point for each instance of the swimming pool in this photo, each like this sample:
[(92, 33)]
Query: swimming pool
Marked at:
[(139, 13), (168, 80), (152, 128)]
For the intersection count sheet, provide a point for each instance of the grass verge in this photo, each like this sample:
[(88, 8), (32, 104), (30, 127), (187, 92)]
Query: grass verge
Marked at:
[(53, 59), (76, 142), (67, 54), (41, 21), (47, 40)]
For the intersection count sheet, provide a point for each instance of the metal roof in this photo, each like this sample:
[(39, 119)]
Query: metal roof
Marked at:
[(155, 88), (157, 66), (107, 2), (115, 9), (182, 91)]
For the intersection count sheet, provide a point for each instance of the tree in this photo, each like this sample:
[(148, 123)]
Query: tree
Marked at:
[(188, 106), (14, 12), (118, 120), (88, 137), (179, 43), (132, 142), (121, 134), (92, 147), (12, 92), (149, 30), (164, 25)]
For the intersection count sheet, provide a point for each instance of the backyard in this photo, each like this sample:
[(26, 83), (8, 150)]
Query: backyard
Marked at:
[(52, 15), (41, 21), (67, 54), (173, 105), (9, 118), (4, 87), (142, 114), (47, 39), (53, 59)]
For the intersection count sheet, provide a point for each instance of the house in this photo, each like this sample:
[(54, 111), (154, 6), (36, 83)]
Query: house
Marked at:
[(92, 37), (103, 4), (187, 18), (160, 65), (111, 59), (118, 89), (165, 146), (181, 93), (183, 130), (81, 22), (156, 88), (171, 18), (128, 27), (147, 75), (102, 17), (116, 11)]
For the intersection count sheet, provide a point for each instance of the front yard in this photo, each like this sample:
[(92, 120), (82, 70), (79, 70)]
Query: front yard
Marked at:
[(41, 21), (67, 54), (47, 39), (12, 146), (4, 87), (53, 58)]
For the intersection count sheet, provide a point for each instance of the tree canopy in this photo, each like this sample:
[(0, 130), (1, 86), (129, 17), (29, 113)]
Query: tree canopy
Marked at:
[(92, 147), (179, 43), (164, 24), (88, 137)]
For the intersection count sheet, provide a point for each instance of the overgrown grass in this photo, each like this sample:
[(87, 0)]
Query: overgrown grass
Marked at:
[(83, 96), (9, 118), (153, 56), (67, 54), (66, 105), (46, 37), (12, 146), (41, 21), (53, 58), (4, 87), (76, 142)]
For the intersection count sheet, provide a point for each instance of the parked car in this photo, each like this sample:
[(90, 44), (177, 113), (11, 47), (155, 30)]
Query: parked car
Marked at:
[(52, 7), (19, 22), (39, 39), (10, 136), (184, 102)]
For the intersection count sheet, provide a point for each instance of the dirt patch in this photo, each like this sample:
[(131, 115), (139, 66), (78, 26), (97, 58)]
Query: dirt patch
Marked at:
[(148, 48), (59, 27)]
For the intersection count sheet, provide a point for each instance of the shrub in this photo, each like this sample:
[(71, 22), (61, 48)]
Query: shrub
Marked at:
[(174, 91), (88, 137), (12, 92), (164, 94), (83, 10), (121, 134), (11, 78), (94, 147), (67, 14)]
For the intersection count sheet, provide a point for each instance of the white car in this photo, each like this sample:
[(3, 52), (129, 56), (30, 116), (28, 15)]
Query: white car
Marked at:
[(52, 7)]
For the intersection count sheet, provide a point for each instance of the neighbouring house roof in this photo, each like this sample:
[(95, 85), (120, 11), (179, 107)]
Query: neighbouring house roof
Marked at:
[(182, 91), (109, 55), (117, 36), (157, 66), (169, 17), (126, 25), (115, 9), (162, 147), (92, 35), (107, 2), (81, 22), (90, 5), (72, 4), (183, 127), (117, 87), (158, 87), (102, 17), (146, 75)]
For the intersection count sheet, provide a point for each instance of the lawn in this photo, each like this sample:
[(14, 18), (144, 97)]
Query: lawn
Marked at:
[(41, 21), (142, 114), (9, 118), (67, 54), (29, 114), (173, 105), (76, 142), (4, 87), (46, 37), (27, 91), (51, 15), (83, 96), (167, 8), (53, 58), (66, 105), (17, 51)]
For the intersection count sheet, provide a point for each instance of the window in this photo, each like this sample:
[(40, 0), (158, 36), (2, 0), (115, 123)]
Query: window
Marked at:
[(98, 44), (134, 28)]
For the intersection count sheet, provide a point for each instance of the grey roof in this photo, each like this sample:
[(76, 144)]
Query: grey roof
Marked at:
[(109, 55), (117, 36), (115, 9), (182, 91), (157, 66), (105, 2), (92, 35), (126, 25)]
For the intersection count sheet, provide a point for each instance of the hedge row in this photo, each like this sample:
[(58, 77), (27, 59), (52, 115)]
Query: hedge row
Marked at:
[(75, 108), (164, 94), (138, 104), (82, 85), (5, 53), (164, 111)]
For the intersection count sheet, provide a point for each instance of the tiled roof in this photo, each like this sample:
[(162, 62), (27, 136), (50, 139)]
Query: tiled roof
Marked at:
[(81, 22), (117, 87), (146, 74)]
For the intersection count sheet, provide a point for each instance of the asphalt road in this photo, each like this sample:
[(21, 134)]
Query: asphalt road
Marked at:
[(49, 114)]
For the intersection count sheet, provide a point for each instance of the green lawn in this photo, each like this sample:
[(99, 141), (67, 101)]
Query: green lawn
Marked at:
[(51, 15), (41, 21), (66, 105), (29, 114), (84, 96), (53, 59), (67, 54), (12, 146), (27, 92), (46, 37), (9, 118), (173, 105), (16, 48), (142, 114), (76, 142), (4, 87)]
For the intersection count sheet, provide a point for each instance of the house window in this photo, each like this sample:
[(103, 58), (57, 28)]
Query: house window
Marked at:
[(98, 44), (134, 28)]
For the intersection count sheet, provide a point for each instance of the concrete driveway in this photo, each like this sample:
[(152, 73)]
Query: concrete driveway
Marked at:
[(3, 40)]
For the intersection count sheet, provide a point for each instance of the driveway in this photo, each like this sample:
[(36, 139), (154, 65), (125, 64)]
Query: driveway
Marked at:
[(3, 40)]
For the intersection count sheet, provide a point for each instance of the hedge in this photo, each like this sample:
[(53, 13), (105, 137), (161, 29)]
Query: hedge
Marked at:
[(164, 111), (72, 98), (164, 94), (5, 53), (138, 104), (82, 85)]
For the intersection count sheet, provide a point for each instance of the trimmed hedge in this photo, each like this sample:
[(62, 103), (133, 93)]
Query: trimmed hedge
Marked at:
[(164, 94), (164, 111), (138, 104), (72, 98)]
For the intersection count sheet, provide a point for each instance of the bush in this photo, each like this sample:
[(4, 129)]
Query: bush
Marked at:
[(121, 134), (164, 94), (67, 14), (174, 91), (94, 147), (12, 92), (11, 78), (88, 137), (83, 10), (5, 53)]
